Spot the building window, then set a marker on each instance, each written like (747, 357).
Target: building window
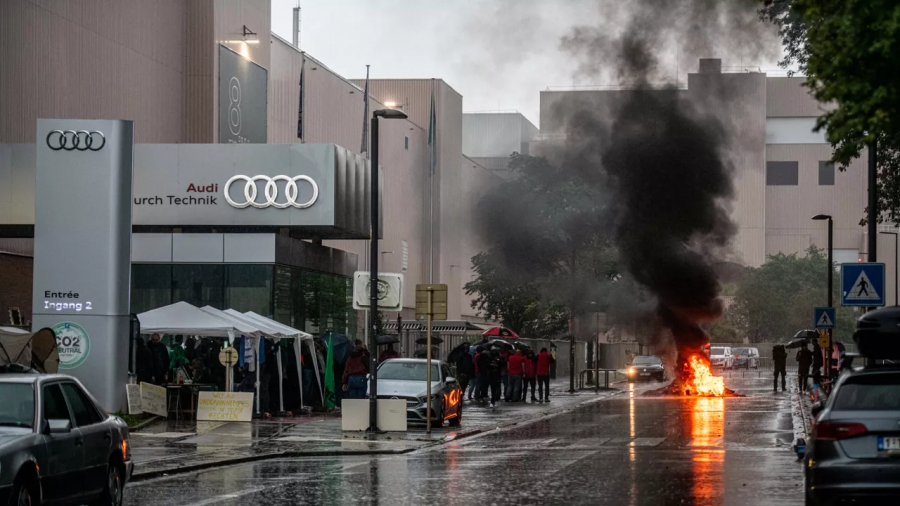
(406, 143)
(781, 173)
(826, 174)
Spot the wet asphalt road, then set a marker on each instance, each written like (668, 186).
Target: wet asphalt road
(629, 449)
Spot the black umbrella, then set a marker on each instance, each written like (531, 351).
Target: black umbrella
(434, 340)
(802, 338)
(458, 352)
(797, 343)
(387, 339)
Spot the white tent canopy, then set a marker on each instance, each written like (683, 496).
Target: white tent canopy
(245, 328)
(298, 336)
(264, 328)
(184, 318)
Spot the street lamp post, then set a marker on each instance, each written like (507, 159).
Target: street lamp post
(373, 266)
(830, 275)
(896, 276)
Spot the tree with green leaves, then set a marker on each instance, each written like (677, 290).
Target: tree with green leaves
(777, 299)
(848, 50)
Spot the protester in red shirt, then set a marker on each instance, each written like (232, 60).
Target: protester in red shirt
(530, 376)
(355, 371)
(388, 353)
(516, 368)
(543, 375)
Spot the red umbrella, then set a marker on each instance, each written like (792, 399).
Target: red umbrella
(503, 332)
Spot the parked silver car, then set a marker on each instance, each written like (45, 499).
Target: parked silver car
(405, 378)
(57, 446)
(746, 358)
(853, 453)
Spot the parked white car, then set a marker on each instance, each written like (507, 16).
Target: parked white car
(721, 356)
(747, 358)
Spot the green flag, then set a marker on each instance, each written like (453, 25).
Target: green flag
(329, 376)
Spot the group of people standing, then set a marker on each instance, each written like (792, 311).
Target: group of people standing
(494, 369)
(818, 359)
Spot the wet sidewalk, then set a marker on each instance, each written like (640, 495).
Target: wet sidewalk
(171, 447)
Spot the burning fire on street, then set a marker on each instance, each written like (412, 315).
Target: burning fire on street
(695, 378)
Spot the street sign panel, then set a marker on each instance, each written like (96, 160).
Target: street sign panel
(824, 317)
(862, 284)
(438, 309)
(390, 291)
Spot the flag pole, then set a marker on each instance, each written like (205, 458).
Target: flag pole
(432, 138)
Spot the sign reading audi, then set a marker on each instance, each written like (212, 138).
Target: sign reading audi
(260, 185)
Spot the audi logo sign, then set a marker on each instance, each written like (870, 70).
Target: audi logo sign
(71, 140)
(271, 192)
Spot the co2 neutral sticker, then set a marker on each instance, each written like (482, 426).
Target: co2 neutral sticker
(74, 344)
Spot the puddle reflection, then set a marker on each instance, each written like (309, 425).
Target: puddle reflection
(707, 432)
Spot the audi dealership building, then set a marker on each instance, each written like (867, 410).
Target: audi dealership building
(251, 183)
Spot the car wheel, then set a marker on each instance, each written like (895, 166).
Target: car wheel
(25, 493)
(114, 489)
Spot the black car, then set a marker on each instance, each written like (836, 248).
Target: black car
(646, 367)
(853, 453)
(57, 446)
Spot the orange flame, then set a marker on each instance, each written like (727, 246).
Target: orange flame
(701, 380)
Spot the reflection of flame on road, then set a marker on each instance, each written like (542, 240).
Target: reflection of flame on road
(708, 431)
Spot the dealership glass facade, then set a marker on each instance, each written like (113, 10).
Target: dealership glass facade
(311, 301)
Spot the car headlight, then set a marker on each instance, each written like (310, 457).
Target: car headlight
(631, 370)
(433, 397)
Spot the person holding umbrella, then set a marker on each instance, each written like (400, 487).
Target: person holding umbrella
(465, 371)
(804, 360)
(388, 353)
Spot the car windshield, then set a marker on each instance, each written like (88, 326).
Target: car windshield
(717, 351)
(17, 408)
(742, 351)
(645, 361)
(407, 371)
(870, 392)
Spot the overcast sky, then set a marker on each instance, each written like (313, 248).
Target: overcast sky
(499, 54)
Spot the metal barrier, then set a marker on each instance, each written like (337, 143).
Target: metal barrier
(582, 377)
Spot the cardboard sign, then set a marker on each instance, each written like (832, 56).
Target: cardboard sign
(135, 406)
(225, 406)
(153, 399)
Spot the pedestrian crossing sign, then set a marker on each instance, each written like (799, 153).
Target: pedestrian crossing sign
(862, 284)
(824, 317)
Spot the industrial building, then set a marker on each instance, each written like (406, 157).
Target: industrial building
(783, 176)
(170, 66)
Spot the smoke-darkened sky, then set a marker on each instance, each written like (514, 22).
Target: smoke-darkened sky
(499, 54)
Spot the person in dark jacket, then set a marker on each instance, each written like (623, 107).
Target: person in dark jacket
(482, 367)
(804, 360)
(160, 360)
(779, 356)
(465, 370)
(495, 375)
(144, 362)
(817, 363)
(355, 371)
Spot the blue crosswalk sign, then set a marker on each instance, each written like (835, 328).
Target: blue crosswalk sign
(824, 317)
(862, 284)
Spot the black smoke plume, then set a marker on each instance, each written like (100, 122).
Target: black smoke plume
(664, 151)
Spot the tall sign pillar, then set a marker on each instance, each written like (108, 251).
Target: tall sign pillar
(82, 248)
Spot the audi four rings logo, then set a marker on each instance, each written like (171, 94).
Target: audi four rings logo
(271, 192)
(70, 140)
